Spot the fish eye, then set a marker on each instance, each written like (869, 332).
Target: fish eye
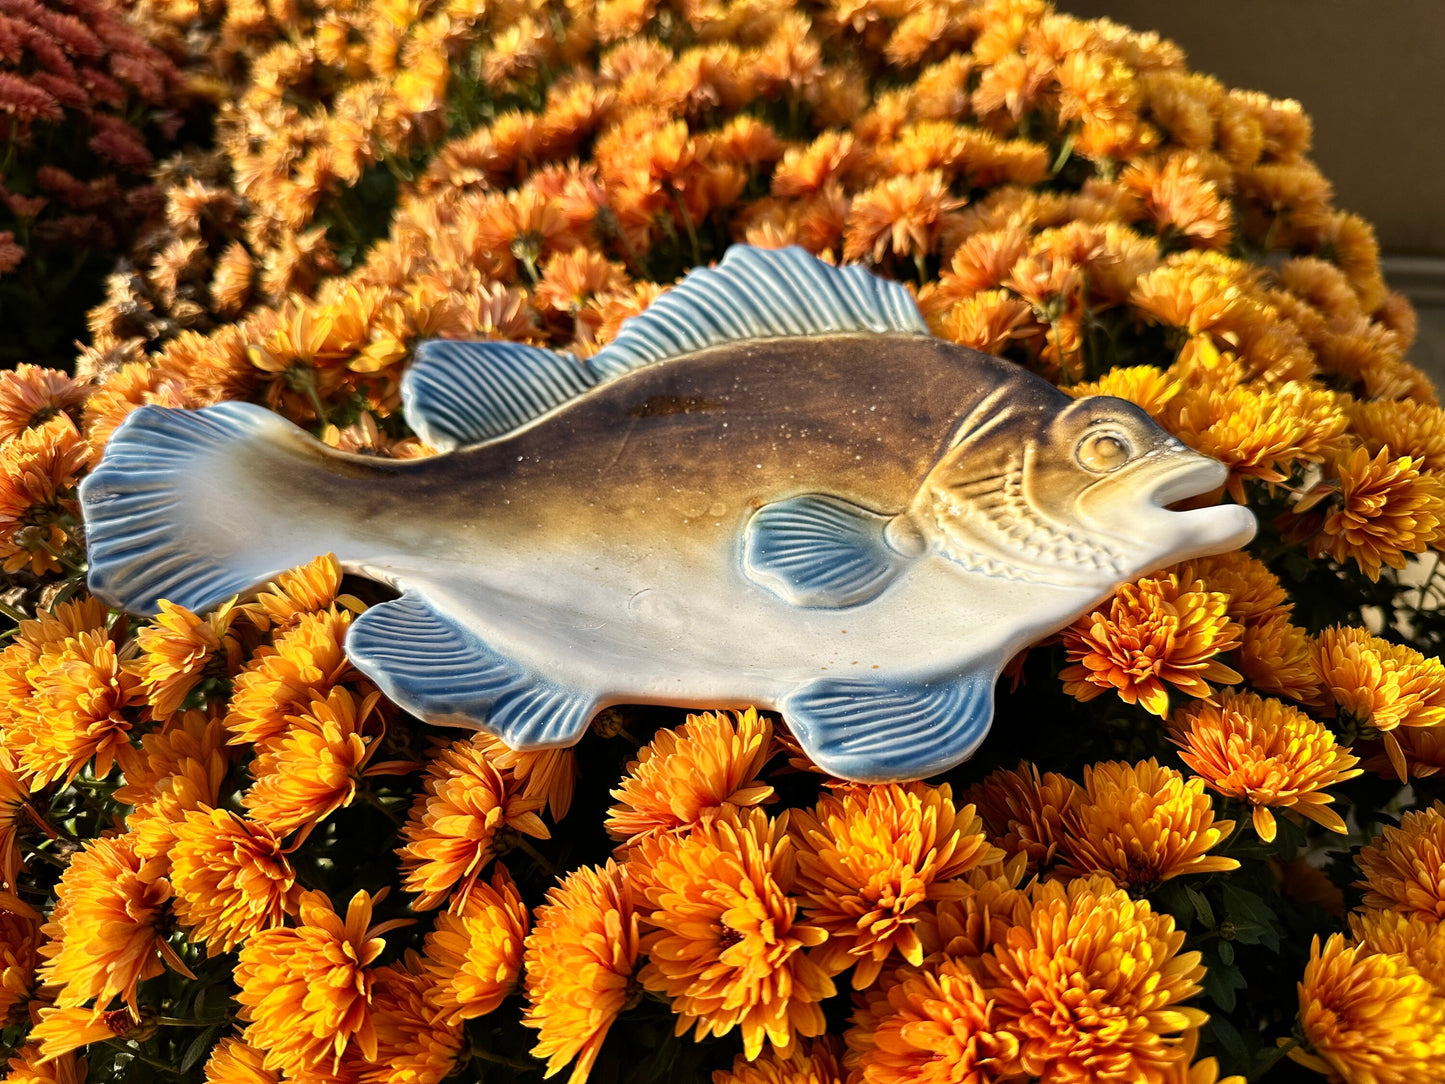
(1104, 451)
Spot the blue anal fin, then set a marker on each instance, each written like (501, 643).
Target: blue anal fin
(443, 673)
(819, 551)
(870, 732)
(457, 393)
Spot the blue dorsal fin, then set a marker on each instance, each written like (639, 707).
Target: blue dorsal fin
(759, 293)
(458, 393)
(443, 673)
(816, 550)
(874, 732)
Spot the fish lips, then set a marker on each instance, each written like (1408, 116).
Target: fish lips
(1164, 478)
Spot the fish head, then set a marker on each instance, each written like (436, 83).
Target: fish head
(1078, 496)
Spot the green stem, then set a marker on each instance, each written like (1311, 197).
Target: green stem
(179, 1022)
(500, 1059)
(681, 205)
(15, 615)
(525, 846)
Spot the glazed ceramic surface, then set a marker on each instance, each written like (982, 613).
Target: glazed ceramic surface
(774, 488)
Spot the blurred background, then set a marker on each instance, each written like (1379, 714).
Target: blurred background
(1373, 79)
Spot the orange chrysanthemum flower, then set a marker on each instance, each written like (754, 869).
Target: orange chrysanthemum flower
(415, 1042)
(726, 947)
(1386, 508)
(1380, 685)
(868, 860)
(14, 798)
(702, 769)
(580, 961)
(813, 1062)
(61, 1031)
(1146, 386)
(315, 768)
(1254, 592)
(177, 768)
(1275, 657)
(105, 934)
(1092, 984)
(19, 957)
(910, 1029)
(460, 823)
(38, 470)
(474, 955)
(1405, 867)
(308, 589)
(1420, 940)
(1404, 427)
(31, 396)
(1024, 812)
(231, 878)
(77, 711)
(178, 650)
(306, 991)
(1155, 633)
(902, 215)
(304, 664)
(1143, 824)
(1369, 1018)
(235, 1062)
(30, 1066)
(549, 774)
(1267, 754)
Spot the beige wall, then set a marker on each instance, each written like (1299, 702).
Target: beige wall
(1372, 75)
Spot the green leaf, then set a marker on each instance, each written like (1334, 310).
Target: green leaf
(1201, 906)
(199, 1047)
(1220, 982)
(1226, 953)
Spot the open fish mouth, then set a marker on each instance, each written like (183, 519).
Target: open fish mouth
(1194, 477)
(1197, 531)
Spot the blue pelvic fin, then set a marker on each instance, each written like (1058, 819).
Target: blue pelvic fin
(459, 393)
(758, 293)
(443, 673)
(871, 732)
(816, 550)
(179, 509)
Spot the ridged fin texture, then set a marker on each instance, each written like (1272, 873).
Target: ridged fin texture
(819, 551)
(878, 733)
(443, 673)
(459, 393)
(759, 293)
(148, 531)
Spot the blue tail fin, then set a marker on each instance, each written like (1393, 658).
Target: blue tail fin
(184, 506)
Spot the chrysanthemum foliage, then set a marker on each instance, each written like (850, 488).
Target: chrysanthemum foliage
(1200, 839)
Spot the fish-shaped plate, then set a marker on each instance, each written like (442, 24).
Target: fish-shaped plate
(774, 488)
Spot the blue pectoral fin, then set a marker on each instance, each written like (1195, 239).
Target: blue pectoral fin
(443, 673)
(458, 393)
(870, 732)
(820, 551)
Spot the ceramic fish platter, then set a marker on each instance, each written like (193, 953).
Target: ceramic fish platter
(774, 488)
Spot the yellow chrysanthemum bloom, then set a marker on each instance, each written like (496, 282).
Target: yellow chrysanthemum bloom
(549, 774)
(1154, 633)
(61, 1031)
(1385, 509)
(1092, 984)
(1023, 812)
(234, 1062)
(28, 1067)
(1418, 939)
(474, 955)
(580, 963)
(303, 665)
(1143, 824)
(726, 947)
(1380, 685)
(868, 860)
(457, 823)
(1404, 867)
(705, 767)
(1255, 593)
(178, 650)
(230, 876)
(305, 989)
(1369, 1018)
(1146, 386)
(927, 1020)
(179, 767)
(970, 925)
(813, 1062)
(1266, 754)
(105, 934)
